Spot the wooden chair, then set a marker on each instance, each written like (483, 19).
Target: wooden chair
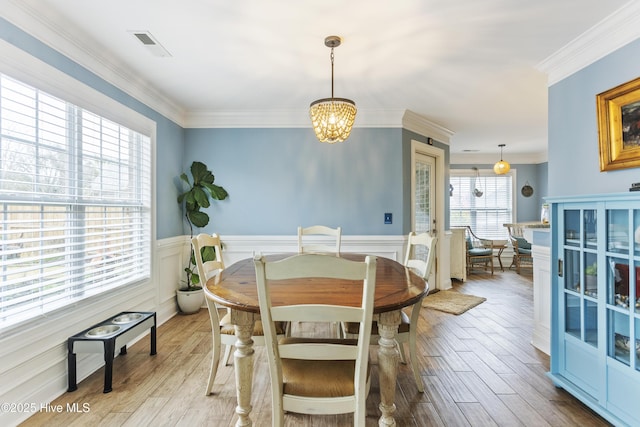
(317, 375)
(419, 257)
(306, 245)
(479, 251)
(311, 244)
(222, 330)
(522, 256)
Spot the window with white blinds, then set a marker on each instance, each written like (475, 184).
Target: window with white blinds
(485, 214)
(75, 191)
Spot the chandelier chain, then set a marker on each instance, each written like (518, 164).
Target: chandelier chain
(332, 72)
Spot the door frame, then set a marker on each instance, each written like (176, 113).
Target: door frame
(443, 281)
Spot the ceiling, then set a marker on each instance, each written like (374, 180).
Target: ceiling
(468, 66)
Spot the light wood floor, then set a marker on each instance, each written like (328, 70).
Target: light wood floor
(479, 369)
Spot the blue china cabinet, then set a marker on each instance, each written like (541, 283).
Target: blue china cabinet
(595, 324)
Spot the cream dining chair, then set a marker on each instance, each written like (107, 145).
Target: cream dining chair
(311, 244)
(419, 257)
(320, 239)
(222, 330)
(317, 375)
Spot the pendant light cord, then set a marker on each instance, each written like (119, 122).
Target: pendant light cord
(331, 73)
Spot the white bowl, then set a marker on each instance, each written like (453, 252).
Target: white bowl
(103, 331)
(126, 318)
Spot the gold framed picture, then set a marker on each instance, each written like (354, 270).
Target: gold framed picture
(619, 126)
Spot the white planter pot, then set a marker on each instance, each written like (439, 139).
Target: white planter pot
(190, 301)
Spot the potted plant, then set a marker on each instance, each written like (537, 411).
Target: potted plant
(201, 189)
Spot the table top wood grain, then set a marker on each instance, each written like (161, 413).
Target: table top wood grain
(396, 287)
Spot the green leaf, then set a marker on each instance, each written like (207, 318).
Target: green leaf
(185, 178)
(201, 197)
(208, 254)
(195, 279)
(198, 171)
(217, 192)
(190, 202)
(199, 219)
(208, 178)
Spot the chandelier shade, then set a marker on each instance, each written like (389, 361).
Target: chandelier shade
(501, 167)
(332, 118)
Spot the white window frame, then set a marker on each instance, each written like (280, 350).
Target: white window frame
(502, 232)
(30, 70)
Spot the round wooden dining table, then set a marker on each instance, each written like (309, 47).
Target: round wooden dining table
(396, 287)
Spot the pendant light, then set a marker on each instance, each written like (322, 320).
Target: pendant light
(477, 188)
(501, 167)
(332, 118)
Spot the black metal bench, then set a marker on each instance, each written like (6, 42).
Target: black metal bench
(105, 337)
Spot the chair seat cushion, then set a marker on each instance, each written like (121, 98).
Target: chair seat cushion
(319, 378)
(524, 251)
(354, 327)
(227, 328)
(523, 243)
(481, 252)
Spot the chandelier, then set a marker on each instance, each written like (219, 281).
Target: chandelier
(332, 118)
(501, 167)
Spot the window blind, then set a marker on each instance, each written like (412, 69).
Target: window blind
(75, 190)
(486, 214)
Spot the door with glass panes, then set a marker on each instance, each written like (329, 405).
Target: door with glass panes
(423, 206)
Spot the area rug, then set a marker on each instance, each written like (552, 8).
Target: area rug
(451, 302)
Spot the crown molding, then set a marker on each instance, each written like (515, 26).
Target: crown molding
(421, 125)
(610, 34)
(49, 29)
(490, 159)
(284, 119)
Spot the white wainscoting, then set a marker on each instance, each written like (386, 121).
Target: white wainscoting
(241, 247)
(541, 298)
(33, 356)
(171, 257)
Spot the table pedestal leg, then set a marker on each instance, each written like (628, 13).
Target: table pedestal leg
(388, 356)
(243, 364)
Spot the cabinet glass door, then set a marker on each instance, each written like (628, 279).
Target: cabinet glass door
(580, 274)
(622, 271)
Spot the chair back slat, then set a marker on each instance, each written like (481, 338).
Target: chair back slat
(207, 269)
(415, 257)
(319, 239)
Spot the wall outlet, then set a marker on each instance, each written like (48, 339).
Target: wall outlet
(388, 218)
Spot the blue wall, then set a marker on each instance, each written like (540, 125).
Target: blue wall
(169, 147)
(278, 179)
(574, 165)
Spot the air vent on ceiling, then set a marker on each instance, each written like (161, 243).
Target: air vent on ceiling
(150, 43)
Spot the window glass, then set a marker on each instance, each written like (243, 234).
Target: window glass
(75, 191)
(485, 214)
